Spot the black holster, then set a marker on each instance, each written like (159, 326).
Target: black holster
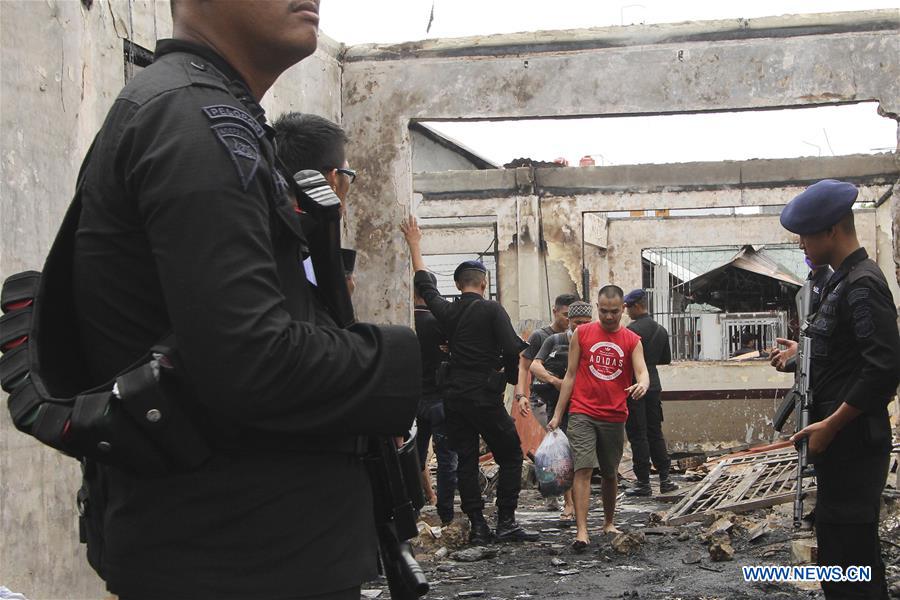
(496, 382)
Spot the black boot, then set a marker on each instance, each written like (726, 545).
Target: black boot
(480, 533)
(666, 485)
(641, 488)
(510, 531)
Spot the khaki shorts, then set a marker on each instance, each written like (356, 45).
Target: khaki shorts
(596, 443)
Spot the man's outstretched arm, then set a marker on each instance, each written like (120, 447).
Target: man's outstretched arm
(437, 304)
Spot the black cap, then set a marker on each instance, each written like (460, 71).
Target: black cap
(469, 265)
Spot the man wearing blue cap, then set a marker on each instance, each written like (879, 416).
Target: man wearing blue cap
(484, 358)
(855, 369)
(645, 416)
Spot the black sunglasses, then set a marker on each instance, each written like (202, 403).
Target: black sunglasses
(348, 172)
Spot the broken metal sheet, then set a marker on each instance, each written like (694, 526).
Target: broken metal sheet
(740, 484)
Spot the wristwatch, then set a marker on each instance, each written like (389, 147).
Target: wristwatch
(520, 396)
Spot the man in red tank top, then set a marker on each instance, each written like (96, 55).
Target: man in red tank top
(604, 358)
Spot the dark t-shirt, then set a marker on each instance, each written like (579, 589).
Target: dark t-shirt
(655, 341)
(535, 341)
(554, 355)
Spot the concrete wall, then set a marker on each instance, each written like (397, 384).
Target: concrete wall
(61, 67)
(723, 65)
(571, 203)
(742, 419)
(629, 236)
(428, 155)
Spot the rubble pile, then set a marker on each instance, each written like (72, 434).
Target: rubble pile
(650, 558)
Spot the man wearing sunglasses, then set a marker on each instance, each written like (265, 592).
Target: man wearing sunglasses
(306, 141)
(309, 142)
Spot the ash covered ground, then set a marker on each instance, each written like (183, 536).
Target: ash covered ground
(657, 561)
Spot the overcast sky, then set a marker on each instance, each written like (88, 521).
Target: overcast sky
(724, 136)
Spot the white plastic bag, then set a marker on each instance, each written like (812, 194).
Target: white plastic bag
(554, 464)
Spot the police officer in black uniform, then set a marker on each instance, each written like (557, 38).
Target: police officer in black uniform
(484, 358)
(189, 226)
(431, 418)
(855, 368)
(645, 416)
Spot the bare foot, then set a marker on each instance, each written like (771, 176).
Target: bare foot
(609, 528)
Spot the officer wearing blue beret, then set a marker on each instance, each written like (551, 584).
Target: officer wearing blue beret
(484, 358)
(645, 416)
(854, 372)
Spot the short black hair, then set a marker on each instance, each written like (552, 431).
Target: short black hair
(306, 141)
(564, 300)
(848, 223)
(748, 336)
(470, 278)
(611, 291)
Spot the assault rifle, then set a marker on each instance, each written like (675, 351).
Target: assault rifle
(804, 404)
(799, 400)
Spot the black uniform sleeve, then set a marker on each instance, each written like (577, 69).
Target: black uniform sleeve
(207, 216)
(874, 322)
(511, 344)
(437, 304)
(665, 357)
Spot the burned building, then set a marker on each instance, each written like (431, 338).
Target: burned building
(551, 229)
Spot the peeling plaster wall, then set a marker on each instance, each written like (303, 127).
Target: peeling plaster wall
(761, 63)
(742, 419)
(61, 67)
(642, 188)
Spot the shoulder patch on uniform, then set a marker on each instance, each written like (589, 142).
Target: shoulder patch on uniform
(858, 295)
(243, 148)
(218, 112)
(863, 323)
(863, 326)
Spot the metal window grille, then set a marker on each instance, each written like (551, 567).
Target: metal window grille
(703, 331)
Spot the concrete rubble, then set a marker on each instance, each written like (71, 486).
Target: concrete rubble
(474, 554)
(648, 558)
(628, 543)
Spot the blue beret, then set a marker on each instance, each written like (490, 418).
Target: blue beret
(634, 296)
(469, 265)
(820, 206)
